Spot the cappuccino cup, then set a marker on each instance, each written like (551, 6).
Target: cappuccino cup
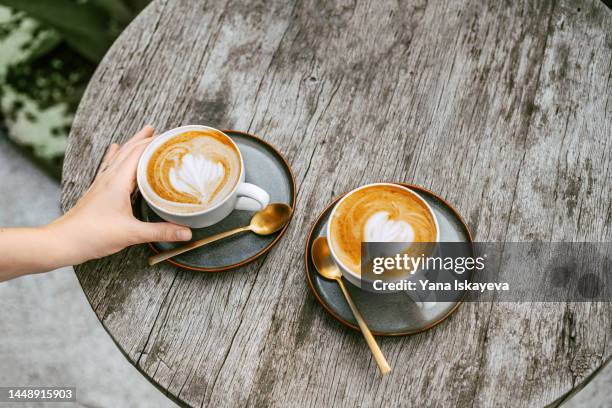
(380, 213)
(194, 176)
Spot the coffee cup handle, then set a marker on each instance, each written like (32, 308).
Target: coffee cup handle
(251, 197)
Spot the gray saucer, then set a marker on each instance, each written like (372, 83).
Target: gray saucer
(264, 167)
(391, 314)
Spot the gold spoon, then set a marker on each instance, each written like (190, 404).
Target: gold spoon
(264, 222)
(321, 256)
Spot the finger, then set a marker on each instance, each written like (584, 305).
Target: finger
(162, 232)
(126, 169)
(108, 157)
(110, 153)
(143, 134)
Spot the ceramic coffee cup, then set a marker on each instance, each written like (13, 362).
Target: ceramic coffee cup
(243, 196)
(385, 227)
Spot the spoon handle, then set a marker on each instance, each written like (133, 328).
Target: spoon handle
(383, 366)
(162, 256)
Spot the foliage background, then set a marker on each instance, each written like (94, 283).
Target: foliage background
(48, 51)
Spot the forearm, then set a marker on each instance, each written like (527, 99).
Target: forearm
(100, 224)
(31, 250)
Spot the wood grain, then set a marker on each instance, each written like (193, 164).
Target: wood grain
(500, 107)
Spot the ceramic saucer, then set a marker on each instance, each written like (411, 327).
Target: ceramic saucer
(392, 314)
(265, 167)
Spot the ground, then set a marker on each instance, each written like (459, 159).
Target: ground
(49, 334)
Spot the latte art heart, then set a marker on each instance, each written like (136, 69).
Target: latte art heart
(193, 171)
(197, 176)
(379, 213)
(379, 228)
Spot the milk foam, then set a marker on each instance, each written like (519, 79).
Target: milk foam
(379, 228)
(193, 171)
(197, 176)
(379, 213)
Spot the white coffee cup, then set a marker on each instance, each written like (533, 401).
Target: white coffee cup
(351, 276)
(244, 196)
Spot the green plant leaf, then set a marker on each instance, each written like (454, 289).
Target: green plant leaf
(44, 44)
(116, 9)
(84, 26)
(137, 5)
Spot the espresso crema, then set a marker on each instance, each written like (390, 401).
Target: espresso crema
(378, 213)
(193, 171)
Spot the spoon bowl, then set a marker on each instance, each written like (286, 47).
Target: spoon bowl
(322, 258)
(270, 219)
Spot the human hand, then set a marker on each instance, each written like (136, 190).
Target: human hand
(101, 223)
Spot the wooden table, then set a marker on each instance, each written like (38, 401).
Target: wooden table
(500, 107)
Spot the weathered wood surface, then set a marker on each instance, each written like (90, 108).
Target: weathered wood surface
(501, 107)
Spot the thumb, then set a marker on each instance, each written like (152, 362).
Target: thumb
(163, 232)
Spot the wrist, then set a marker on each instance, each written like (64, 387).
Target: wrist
(61, 243)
